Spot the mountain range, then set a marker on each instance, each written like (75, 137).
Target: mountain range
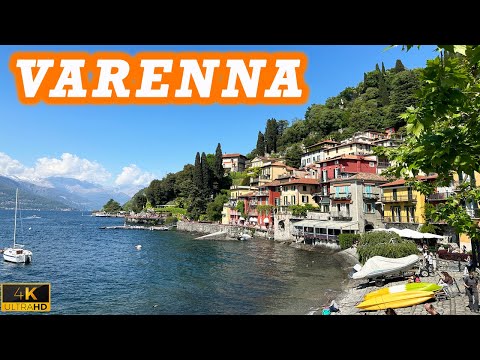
(57, 193)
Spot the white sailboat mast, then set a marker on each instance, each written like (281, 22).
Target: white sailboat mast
(15, 222)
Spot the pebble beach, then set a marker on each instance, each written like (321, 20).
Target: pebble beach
(355, 290)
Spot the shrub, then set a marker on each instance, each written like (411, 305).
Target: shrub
(378, 237)
(428, 228)
(170, 220)
(347, 240)
(386, 244)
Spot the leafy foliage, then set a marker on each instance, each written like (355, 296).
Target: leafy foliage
(301, 210)
(214, 209)
(112, 206)
(443, 138)
(265, 209)
(384, 243)
(346, 240)
(241, 208)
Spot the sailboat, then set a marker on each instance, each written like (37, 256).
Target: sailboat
(17, 253)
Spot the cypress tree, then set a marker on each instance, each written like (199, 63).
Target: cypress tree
(205, 175)
(260, 149)
(271, 134)
(383, 95)
(219, 171)
(197, 172)
(399, 66)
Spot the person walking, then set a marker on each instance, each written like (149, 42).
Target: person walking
(471, 287)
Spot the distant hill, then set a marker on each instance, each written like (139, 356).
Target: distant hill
(57, 193)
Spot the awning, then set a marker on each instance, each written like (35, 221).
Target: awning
(241, 218)
(253, 219)
(412, 234)
(340, 225)
(266, 220)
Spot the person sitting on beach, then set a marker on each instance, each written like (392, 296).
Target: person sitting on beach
(429, 308)
(445, 279)
(390, 311)
(333, 307)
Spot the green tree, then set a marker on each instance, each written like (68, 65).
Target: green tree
(399, 66)
(112, 206)
(403, 94)
(293, 156)
(206, 177)
(260, 149)
(198, 174)
(271, 136)
(442, 136)
(241, 208)
(217, 171)
(214, 209)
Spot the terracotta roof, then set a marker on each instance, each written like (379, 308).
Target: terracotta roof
(402, 181)
(347, 156)
(275, 163)
(293, 181)
(232, 155)
(247, 194)
(363, 176)
(323, 142)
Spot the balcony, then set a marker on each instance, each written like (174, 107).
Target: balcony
(399, 198)
(261, 193)
(341, 196)
(371, 196)
(340, 216)
(439, 196)
(401, 219)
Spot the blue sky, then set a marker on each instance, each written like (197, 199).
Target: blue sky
(126, 146)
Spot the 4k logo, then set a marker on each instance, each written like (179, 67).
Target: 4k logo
(26, 297)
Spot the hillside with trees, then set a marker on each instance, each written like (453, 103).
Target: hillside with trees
(199, 190)
(374, 104)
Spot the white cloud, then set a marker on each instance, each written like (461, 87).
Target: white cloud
(72, 166)
(129, 181)
(132, 179)
(12, 167)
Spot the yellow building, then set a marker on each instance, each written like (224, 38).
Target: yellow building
(402, 204)
(295, 191)
(269, 172)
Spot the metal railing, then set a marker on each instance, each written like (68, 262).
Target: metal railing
(340, 196)
(399, 198)
(373, 196)
(401, 219)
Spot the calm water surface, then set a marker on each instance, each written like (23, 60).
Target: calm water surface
(99, 271)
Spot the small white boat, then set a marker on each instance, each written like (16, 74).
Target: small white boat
(244, 237)
(138, 247)
(16, 253)
(378, 266)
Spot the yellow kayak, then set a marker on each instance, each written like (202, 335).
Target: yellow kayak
(421, 286)
(396, 300)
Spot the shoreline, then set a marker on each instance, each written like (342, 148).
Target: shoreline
(355, 290)
(351, 292)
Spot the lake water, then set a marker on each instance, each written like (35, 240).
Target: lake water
(95, 271)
